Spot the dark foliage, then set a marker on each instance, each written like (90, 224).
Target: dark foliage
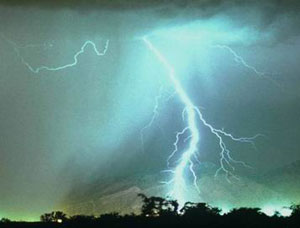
(157, 206)
(5, 220)
(82, 219)
(159, 212)
(55, 216)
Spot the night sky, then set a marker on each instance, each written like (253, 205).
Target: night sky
(67, 131)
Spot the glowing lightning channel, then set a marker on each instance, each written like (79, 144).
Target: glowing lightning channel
(178, 181)
(193, 113)
(75, 57)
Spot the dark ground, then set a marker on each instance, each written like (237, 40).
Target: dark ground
(158, 212)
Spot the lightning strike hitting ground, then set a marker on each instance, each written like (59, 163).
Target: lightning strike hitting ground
(194, 115)
(47, 68)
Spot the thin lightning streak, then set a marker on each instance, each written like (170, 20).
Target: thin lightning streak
(239, 59)
(193, 113)
(154, 115)
(37, 70)
(178, 134)
(194, 175)
(225, 153)
(197, 159)
(155, 112)
(75, 57)
(171, 95)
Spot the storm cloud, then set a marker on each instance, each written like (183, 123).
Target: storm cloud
(281, 17)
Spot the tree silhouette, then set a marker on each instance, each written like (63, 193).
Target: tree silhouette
(247, 217)
(200, 214)
(157, 206)
(295, 210)
(295, 216)
(192, 209)
(159, 212)
(5, 220)
(46, 217)
(54, 216)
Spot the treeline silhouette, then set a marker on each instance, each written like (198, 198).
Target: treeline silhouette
(159, 212)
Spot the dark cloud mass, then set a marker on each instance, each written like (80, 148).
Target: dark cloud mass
(270, 6)
(263, 15)
(270, 13)
(71, 138)
(283, 4)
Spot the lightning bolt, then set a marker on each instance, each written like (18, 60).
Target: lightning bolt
(47, 68)
(191, 114)
(194, 115)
